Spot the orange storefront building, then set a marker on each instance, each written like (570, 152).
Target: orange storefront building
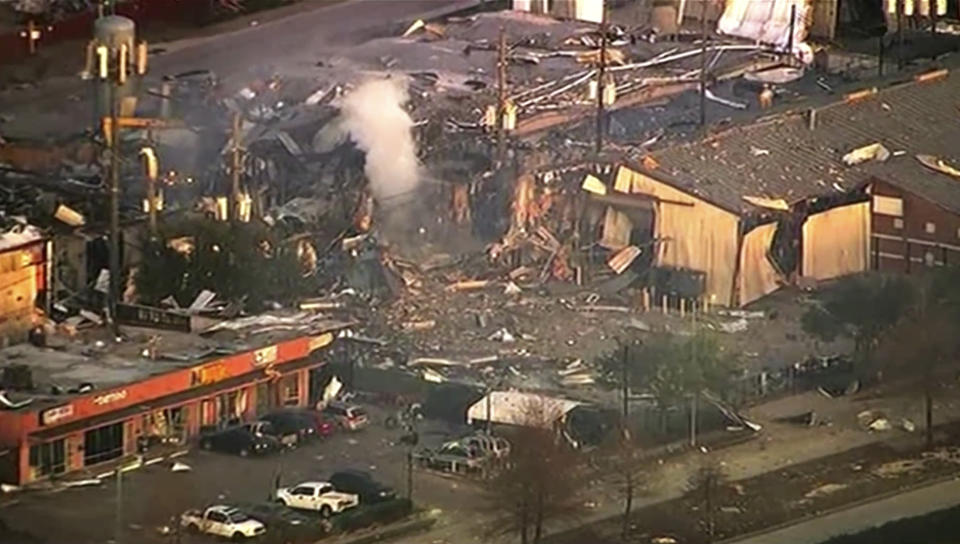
(59, 435)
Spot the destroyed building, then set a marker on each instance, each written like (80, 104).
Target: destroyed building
(798, 197)
(788, 200)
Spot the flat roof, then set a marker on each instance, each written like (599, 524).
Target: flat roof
(93, 357)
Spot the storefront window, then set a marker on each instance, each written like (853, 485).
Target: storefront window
(290, 391)
(165, 426)
(103, 444)
(49, 458)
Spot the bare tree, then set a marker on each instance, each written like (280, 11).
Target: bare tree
(630, 476)
(541, 480)
(704, 485)
(925, 341)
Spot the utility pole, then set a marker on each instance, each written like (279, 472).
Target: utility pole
(934, 15)
(696, 393)
(118, 530)
(625, 383)
(113, 59)
(234, 212)
(900, 59)
(114, 292)
(601, 76)
(882, 53)
(501, 97)
(793, 26)
(703, 64)
(410, 473)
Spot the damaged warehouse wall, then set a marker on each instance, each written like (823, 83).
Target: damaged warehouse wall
(757, 276)
(697, 235)
(837, 242)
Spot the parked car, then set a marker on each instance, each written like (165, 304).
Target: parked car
(487, 445)
(318, 496)
(286, 437)
(239, 440)
(321, 422)
(289, 523)
(363, 485)
(453, 457)
(220, 520)
(289, 422)
(347, 416)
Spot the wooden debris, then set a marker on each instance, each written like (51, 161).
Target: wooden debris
(467, 285)
(622, 259)
(419, 325)
(318, 304)
(602, 308)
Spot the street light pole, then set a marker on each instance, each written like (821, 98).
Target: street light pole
(601, 76)
(118, 530)
(501, 97)
(114, 209)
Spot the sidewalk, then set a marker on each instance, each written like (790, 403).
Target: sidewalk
(866, 516)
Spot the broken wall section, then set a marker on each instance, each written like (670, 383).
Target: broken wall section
(696, 235)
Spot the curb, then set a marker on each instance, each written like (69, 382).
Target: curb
(842, 508)
(401, 529)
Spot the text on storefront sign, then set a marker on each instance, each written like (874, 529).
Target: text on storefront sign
(53, 415)
(208, 374)
(111, 397)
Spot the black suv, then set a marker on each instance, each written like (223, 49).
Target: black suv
(361, 483)
(240, 441)
(290, 422)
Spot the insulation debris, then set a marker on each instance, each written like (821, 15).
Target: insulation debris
(873, 152)
(938, 165)
(769, 203)
(593, 185)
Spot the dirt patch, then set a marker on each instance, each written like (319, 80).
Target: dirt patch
(792, 493)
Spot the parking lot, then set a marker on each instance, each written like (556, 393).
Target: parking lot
(153, 495)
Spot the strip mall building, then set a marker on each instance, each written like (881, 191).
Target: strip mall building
(66, 433)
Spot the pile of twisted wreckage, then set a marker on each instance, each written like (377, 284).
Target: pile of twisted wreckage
(382, 167)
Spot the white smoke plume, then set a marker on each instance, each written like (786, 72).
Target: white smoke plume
(373, 114)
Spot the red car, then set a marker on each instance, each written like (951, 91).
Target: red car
(321, 424)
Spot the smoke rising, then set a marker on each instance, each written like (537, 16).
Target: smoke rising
(373, 114)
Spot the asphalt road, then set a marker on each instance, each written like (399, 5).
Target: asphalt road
(866, 516)
(292, 44)
(152, 495)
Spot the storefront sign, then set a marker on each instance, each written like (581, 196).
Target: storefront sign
(111, 397)
(321, 341)
(145, 316)
(265, 356)
(55, 414)
(208, 374)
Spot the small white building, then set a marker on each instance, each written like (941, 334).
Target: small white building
(520, 409)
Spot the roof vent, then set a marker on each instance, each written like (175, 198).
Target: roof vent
(812, 118)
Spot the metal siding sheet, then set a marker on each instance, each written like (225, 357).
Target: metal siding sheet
(757, 275)
(700, 237)
(837, 242)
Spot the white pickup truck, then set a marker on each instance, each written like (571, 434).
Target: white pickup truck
(224, 521)
(318, 496)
